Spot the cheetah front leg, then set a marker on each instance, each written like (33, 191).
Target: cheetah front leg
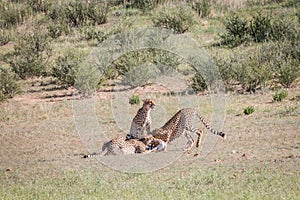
(148, 128)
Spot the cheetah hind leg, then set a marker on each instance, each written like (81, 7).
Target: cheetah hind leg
(200, 134)
(190, 142)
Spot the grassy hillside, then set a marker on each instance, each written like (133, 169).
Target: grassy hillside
(50, 39)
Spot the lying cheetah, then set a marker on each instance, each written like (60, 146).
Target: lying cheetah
(182, 123)
(121, 146)
(141, 121)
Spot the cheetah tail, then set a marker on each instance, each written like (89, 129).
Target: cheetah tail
(95, 154)
(90, 155)
(219, 133)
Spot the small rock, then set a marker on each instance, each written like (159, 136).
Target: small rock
(245, 156)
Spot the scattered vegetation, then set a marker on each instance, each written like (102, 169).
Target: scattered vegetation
(134, 99)
(249, 110)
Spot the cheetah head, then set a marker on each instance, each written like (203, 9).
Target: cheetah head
(149, 103)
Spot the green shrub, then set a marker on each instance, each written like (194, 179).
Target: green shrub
(140, 75)
(57, 13)
(198, 83)
(39, 5)
(179, 19)
(5, 37)
(249, 110)
(280, 96)
(202, 7)
(282, 30)
(91, 33)
(12, 14)
(227, 71)
(162, 60)
(134, 99)
(144, 5)
(253, 74)
(236, 31)
(287, 71)
(97, 12)
(248, 70)
(260, 27)
(58, 29)
(31, 54)
(66, 67)
(77, 13)
(292, 3)
(8, 86)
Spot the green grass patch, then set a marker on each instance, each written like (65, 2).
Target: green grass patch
(207, 183)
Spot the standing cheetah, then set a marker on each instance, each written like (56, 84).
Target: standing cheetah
(182, 123)
(141, 121)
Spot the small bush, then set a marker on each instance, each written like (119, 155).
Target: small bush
(179, 19)
(260, 27)
(202, 7)
(144, 5)
(248, 70)
(287, 71)
(58, 29)
(280, 96)
(97, 12)
(249, 110)
(141, 75)
(134, 99)
(8, 86)
(236, 32)
(91, 33)
(126, 62)
(77, 13)
(39, 5)
(66, 67)
(227, 71)
(12, 14)
(31, 54)
(282, 30)
(5, 37)
(198, 83)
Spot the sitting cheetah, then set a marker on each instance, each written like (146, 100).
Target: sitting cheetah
(182, 123)
(121, 146)
(141, 121)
